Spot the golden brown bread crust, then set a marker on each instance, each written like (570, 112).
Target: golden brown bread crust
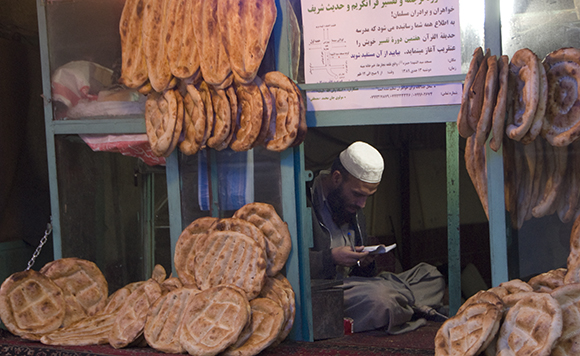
(250, 120)
(229, 257)
(267, 322)
(275, 230)
(531, 327)
(133, 64)
(184, 248)
(163, 118)
(84, 286)
(463, 126)
(489, 100)
(194, 121)
(164, 320)
(180, 39)
(214, 320)
(205, 93)
(524, 72)
(91, 330)
(500, 109)
(245, 28)
(213, 59)
(131, 317)
(284, 129)
(268, 109)
(476, 93)
(568, 296)
(243, 226)
(471, 330)
(222, 120)
(154, 17)
(31, 304)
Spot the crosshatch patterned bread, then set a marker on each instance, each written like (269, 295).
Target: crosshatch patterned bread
(267, 322)
(131, 318)
(243, 226)
(568, 296)
(531, 327)
(31, 304)
(164, 321)
(264, 216)
(84, 286)
(214, 320)
(229, 257)
(472, 329)
(184, 252)
(548, 281)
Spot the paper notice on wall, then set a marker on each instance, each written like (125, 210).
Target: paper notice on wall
(388, 97)
(348, 40)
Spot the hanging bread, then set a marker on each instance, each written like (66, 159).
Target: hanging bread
(133, 64)
(562, 124)
(463, 126)
(180, 39)
(284, 129)
(525, 75)
(213, 59)
(222, 120)
(154, 18)
(500, 110)
(489, 101)
(476, 93)
(194, 121)
(251, 114)
(245, 28)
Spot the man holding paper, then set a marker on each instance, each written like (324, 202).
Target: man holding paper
(373, 301)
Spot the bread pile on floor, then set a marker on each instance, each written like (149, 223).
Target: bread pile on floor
(197, 61)
(229, 295)
(540, 317)
(532, 107)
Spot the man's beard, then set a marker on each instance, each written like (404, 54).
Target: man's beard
(338, 207)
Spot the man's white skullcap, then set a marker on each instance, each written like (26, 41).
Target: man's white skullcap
(363, 161)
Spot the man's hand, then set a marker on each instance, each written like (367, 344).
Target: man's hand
(345, 256)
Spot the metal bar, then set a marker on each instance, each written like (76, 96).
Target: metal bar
(120, 125)
(453, 241)
(50, 139)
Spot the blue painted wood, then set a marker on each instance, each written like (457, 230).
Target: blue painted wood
(50, 139)
(495, 179)
(453, 240)
(118, 125)
(173, 200)
(413, 115)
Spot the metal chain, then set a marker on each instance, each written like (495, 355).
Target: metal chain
(42, 242)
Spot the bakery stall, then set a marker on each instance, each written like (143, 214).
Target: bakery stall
(126, 212)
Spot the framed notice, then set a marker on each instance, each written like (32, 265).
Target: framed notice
(347, 40)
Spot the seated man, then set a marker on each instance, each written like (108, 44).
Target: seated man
(386, 300)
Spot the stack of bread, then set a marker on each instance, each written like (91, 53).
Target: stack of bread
(197, 61)
(531, 106)
(229, 295)
(540, 317)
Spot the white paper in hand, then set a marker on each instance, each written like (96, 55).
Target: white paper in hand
(378, 249)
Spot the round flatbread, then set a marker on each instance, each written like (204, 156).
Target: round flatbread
(184, 255)
(31, 304)
(500, 110)
(164, 320)
(275, 230)
(229, 257)
(84, 286)
(531, 327)
(214, 319)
